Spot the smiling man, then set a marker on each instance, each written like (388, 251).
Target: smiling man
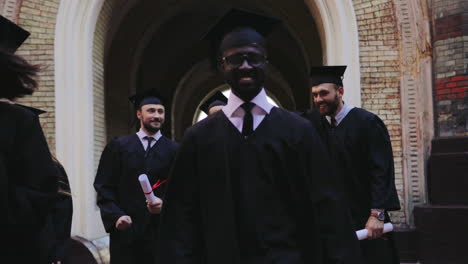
(362, 151)
(249, 181)
(133, 229)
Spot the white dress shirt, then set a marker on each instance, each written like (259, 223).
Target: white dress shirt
(141, 134)
(235, 113)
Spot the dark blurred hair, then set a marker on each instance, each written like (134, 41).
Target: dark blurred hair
(17, 76)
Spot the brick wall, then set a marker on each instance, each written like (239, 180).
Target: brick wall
(10, 9)
(450, 36)
(38, 17)
(380, 59)
(100, 33)
(380, 75)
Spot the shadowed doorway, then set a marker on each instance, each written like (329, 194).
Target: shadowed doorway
(157, 44)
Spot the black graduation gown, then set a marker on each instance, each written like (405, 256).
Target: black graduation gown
(362, 149)
(320, 122)
(119, 193)
(28, 181)
(56, 233)
(254, 200)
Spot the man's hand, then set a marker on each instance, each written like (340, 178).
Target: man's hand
(123, 223)
(154, 208)
(375, 227)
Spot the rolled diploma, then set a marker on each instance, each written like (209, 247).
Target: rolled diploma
(362, 234)
(146, 186)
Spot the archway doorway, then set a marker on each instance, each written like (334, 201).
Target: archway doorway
(119, 46)
(169, 55)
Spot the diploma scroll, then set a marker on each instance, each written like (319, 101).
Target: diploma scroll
(146, 186)
(362, 234)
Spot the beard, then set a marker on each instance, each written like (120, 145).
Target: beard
(246, 89)
(152, 128)
(330, 107)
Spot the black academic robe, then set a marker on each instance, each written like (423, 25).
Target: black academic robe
(362, 149)
(119, 193)
(253, 200)
(322, 126)
(56, 232)
(28, 181)
(320, 122)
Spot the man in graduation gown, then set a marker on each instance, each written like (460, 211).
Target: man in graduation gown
(132, 228)
(361, 148)
(249, 181)
(28, 177)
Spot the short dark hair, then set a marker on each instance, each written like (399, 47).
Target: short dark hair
(18, 77)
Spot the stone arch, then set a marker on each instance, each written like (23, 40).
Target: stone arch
(337, 25)
(77, 99)
(76, 23)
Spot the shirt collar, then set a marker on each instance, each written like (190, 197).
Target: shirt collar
(343, 112)
(235, 102)
(141, 134)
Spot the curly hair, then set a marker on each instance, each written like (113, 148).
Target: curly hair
(17, 76)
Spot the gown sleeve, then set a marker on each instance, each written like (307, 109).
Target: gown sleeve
(35, 181)
(180, 227)
(106, 185)
(381, 167)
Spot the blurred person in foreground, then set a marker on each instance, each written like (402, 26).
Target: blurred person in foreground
(28, 176)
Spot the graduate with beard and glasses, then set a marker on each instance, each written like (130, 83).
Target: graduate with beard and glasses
(361, 149)
(251, 183)
(131, 222)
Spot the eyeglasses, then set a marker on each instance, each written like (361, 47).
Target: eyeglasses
(252, 58)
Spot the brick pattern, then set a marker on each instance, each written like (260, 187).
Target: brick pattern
(448, 27)
(38, 17)
(416, 103)
(452, 87)
(450, 31)
(100, 33)
(10, 9)
(380, 76)
(380, 57)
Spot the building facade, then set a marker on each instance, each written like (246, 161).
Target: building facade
(407, 62)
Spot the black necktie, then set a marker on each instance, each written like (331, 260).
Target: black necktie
(333, 123)
(247, 126)
(149, 139)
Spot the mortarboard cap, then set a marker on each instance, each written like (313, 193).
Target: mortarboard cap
(11, 35)
(216, 99)
(238, 27)
(146, 97)
(327, 74)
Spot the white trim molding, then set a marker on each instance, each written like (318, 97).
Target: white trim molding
(337, 26)
(74, 32)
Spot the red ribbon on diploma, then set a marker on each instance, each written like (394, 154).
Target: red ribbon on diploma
(157, 184)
